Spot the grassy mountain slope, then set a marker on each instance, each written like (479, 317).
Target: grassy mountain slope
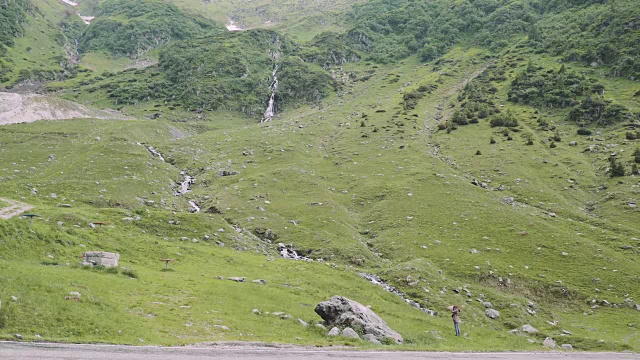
(38, 48)
(464, 162)
(132, 28)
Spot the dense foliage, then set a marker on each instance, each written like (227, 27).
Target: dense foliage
(226, 72)
(12, 16)
(596, 32)
(542, 87)
(591, 31)
(133, 27)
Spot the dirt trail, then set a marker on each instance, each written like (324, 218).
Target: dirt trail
(15, 208)
(19, 108)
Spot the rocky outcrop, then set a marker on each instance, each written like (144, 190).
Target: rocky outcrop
(99, 258)
(342, 312)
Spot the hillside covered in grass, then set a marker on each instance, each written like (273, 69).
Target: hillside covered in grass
(479, 153)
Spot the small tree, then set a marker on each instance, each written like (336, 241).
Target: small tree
(616, 168)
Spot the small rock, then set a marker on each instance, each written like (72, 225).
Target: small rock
(372, 339)
(567, 346)
(18, 336)
(350, 333)
(549, 342)
(303, 323)
(75, 294)
(256, 311)
(238, 279)
(222, 327)
(567, 332)
(334, 332)
(260, 281)
(492, 313)
(528, 329)
(14, 298)
(321, 326)
(487, 305)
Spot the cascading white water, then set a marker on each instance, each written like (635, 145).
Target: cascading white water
(271, 107)
(194, 207)
(185, 185)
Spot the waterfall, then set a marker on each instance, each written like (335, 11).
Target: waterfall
(185, 186)
(271, 107)
(194, 207)
(155, 152)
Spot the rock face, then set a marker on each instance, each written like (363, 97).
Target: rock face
(340, 311)
(99, 258)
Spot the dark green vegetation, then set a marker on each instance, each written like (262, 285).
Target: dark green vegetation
(231, 72)
(530, 204)
(133, 27)
(12, 17)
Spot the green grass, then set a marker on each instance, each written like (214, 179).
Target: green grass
(388, 198)
(355, 180)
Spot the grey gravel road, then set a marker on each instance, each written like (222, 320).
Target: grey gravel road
(41, 351)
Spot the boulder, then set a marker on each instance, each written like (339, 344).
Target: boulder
(528, 329)
(567, 346)
(549, 342)
(340, 311)
(372, 339)
(492, 313)
(100, 258)
(334, 332)
(350, 333)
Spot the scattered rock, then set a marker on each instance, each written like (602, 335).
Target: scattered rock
(487, 305)
(256, 311)
(303, 323)
(260, 281)
(567, 346)
(321, 326)
(222, 327)
(350, 333)
(18, 336)
(342, 311)
(509, 200)
(99, 258)
(528, 329)
(334, 332)
(549, 342)
(492, 313)
(238, 279)
(372, 339)
(567, 332)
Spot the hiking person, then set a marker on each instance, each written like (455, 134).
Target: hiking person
(455, 315)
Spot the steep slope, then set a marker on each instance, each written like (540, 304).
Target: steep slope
(38, 46)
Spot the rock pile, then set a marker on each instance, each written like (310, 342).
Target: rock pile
(342, 312)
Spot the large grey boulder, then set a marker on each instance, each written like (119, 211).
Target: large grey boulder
(100, 258)
(340, 311)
